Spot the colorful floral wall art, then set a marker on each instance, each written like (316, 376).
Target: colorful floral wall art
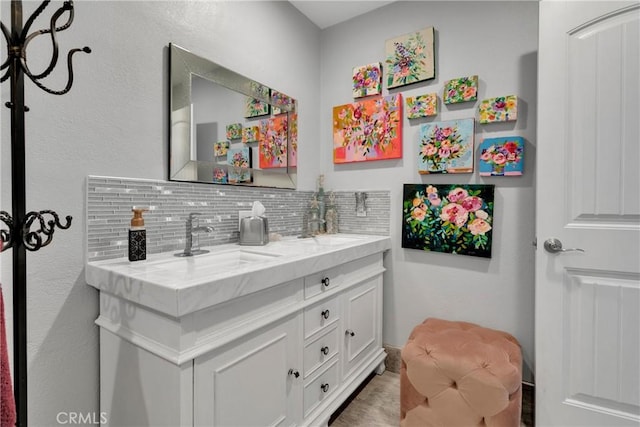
(250, 134)
(220, 148)
(422, 106)
(258, 106)
(462, 89)
(220, 176)
(367, 80)
(456, 219)
(446, 147)
(273, 147)
(410, 58)
(280, 102)
(368, 130)
(234, 131)
(500, 109)
(502, 156)
(239, 161)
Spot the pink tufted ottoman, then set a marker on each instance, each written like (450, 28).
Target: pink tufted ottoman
(460, 374)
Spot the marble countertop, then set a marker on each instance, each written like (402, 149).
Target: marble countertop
(181, 285)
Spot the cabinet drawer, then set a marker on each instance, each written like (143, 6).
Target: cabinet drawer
(317, 283)
(320, 350)
(320, 316)
(320, 387)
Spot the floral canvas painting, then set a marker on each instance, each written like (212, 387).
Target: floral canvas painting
(234, 131)
(502, 156)
(499, 109)
(367, 80)
(258, 106)
(462, 89)
(239, 161)
(272, 147)
(446, 147)
(250, 134)
(451, 218)
(410, 58)
(422, 106)
(368, 130)
(220, 176)
(220, 148)
(280, 102)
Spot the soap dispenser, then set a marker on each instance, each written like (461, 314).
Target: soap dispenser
(137, 236)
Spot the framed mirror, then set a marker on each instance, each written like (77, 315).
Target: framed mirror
(226, 128)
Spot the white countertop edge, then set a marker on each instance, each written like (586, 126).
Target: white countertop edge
(119, 278)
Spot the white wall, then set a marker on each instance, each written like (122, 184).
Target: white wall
(497, 41)
(114, 122)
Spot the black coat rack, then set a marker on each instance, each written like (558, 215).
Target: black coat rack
(33, 230)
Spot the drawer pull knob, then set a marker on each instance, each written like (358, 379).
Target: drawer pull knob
(325, 313)
(324, 350)
(294, 373)
(350, 333)
(324, 387)
(326, 281)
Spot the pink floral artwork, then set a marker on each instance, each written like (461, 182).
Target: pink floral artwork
(368, 130)
(499, 109)
(367, 80)
(462, 89)
(502, 156)
(422, 105)
(451, 218)
(446, 147)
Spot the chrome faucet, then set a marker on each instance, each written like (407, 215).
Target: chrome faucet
(191, 241)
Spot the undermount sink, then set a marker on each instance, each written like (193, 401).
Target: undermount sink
(327, 240)
(219, 261)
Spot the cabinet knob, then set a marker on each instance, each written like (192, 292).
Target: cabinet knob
(350, 333)
(294, 373)
(324, 387)
(324, 350)
(326, 281)
(325, 313)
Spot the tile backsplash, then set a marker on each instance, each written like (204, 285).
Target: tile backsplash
(109, 203)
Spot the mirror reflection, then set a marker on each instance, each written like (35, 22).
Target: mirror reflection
(228, 129)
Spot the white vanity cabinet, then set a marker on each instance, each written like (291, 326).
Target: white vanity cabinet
(285, 346)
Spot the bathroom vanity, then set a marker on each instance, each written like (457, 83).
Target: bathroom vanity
(267, 335)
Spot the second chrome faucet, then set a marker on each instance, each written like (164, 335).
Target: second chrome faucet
(191, 241)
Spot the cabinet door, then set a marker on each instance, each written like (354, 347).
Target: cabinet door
(362, 322)
(249, 383)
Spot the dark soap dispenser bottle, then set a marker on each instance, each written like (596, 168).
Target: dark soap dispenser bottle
(137, 236)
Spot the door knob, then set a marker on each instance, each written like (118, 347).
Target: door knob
(554, 246)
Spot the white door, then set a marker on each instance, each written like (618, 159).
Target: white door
(588, 197)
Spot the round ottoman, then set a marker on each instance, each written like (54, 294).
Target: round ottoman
(460, 374)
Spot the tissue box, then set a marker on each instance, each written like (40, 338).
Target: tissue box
(254, 231)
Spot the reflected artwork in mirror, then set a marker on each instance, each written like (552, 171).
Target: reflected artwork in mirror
(214, 110)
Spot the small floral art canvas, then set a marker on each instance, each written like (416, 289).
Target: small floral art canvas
(455, 219)
(368, 130)
(280, 102)
(239, 161)
(250, 134)
(258, 106)
(272, 147)
(410, 58)
(367, 80)
(462, 89)
(220, 176)
(422, 106)
(502, 156)
(446, 147)
(234, 131)
(499, 109)
(220, 148)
